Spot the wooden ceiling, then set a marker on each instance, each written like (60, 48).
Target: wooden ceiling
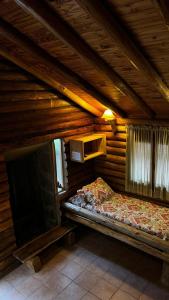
(98, 53)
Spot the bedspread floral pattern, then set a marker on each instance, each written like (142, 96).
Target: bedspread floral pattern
(149, 217)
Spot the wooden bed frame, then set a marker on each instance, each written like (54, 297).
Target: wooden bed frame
(139, 239)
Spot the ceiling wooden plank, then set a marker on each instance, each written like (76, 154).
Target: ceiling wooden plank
(38, 62)
(55, 24)
(163, 6)
(105, 16)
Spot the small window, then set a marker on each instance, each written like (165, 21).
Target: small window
(61, 166)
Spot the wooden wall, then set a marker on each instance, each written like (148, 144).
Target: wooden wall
(112, 166)
(31, 113)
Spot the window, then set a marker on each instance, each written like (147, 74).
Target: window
(148, 147)
(60, 166)
(161, 180)
(139, 160)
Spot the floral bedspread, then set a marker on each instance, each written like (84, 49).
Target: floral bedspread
(149, 217)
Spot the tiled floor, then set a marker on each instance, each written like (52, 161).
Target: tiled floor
(96, 267)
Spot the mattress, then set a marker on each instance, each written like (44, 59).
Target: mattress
(146, 216)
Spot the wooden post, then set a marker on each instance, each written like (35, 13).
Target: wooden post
(165, 274)
(70, 239)
(34, 264)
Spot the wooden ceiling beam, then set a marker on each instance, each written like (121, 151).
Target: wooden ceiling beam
(38, 62)
(99, 10)
(62, 30)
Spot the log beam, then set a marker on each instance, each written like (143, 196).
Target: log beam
(62, 30)
(105, 16)
(38, 62)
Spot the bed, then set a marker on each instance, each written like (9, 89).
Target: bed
(139, 223)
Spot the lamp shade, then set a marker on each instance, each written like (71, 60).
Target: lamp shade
(108, 115)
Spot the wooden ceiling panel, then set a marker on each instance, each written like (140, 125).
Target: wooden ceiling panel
(66, 55)
(33, 29)
(100, 41)
(144, 21)
(145, 24)
(7, 47)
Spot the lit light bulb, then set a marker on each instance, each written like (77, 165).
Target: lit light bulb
(110, 118)
(108, 115)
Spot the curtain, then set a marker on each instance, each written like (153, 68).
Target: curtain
(139, 160)
(161, 178)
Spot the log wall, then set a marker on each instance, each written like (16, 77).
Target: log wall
(31, 113)
(112, 166)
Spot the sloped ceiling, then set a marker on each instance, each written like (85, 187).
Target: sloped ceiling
(99, 53)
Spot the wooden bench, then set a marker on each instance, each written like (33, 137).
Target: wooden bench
(28, 254)
(139, 239)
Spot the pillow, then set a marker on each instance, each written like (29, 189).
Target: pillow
(82, 199)
(78, 199)
(88, 196)
(97, 191)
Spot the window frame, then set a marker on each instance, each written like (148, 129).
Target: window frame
(153, 163)
(63, 166)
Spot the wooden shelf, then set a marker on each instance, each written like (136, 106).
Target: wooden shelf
(88, 147)
(93, 155)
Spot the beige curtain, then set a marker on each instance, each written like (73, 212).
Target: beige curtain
(139, 160)
(161, 181)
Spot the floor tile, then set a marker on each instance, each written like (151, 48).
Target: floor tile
(42, 293)
(134, 285)
(103, 290)
(18, 276)
(72, 292)
(52, 267)
(69, 253)
(90, 296)
(94, 268)
(29, 286)
(72, 270)
(85, 258)
(12, 294)
(99, 266)
(153, 292)
(121, 295)
(57, 282)
(58, 262)
(87, 280)
(5, 288)
(116, 275)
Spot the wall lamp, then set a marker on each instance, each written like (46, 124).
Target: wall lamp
(109, 117)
